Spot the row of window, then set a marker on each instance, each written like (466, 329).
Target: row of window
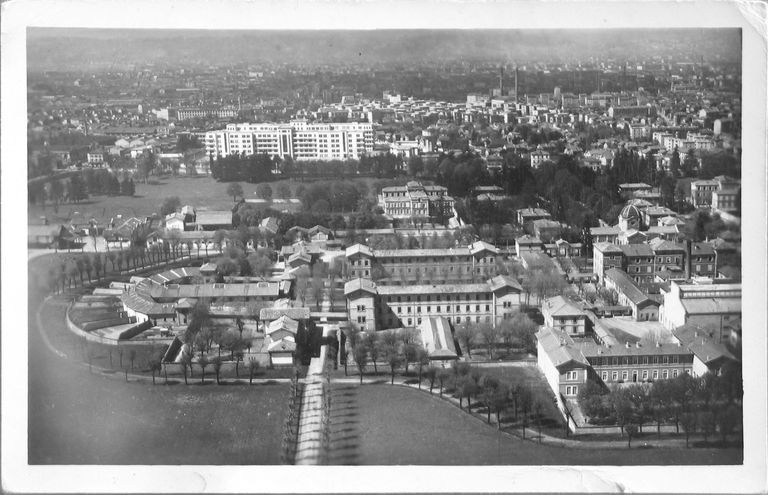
(643, 374)
(467, 297)
(627, 360)
(409, 321)
(447, 308)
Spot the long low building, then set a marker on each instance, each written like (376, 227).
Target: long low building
(170, 295)
(373, 307)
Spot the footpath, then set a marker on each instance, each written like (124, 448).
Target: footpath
(309, 449)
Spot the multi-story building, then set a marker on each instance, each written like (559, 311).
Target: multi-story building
(702, 260)
(299, 139)
(378, 307)
(725, 200)
(638, 263)
(606, 256)
(538, 157)
(705, 304)
(416, 200)
(562, 314)
(669, 256)
(475, 261)
(604, 234)
(643, 307)
(701, 192)
(531, 214)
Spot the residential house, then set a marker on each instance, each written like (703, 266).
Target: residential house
(563, 314)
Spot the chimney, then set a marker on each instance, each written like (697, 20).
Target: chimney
(687, 260)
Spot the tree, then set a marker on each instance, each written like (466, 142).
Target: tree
(422, 359)
(132, 357)
(538, 411)
(234, 189)
(203, 363)
(727, 419)
(393, 360)
(431, 375)
(708, 424)
(490, 336)
(371, 344)
(170, 205)
(253, 367)
(442, 376)
(468, 387)
(155, 366)
(631, 432)
(489, 385)
(466, 335)
(524, 330)
(688, 422)
(264, 191)
(216, 363)
(360, 354)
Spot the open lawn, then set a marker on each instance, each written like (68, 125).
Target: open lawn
(80, 418)
(386, 425)
(199, 192)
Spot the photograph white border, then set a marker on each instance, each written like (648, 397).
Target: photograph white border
(17, 15)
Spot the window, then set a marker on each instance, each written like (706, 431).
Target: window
(655, 374)
(665, 374)
(458, 319)
(438, 309)
(604, 376)
(665, 360)
(572, 375)
(615, 376)
(410, 322)
(571, 390)
(674, 373)
(645, 374)
(624, 375)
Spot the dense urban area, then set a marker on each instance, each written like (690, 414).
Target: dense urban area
(386, 250)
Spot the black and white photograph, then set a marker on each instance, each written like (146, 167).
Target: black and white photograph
(360, 247)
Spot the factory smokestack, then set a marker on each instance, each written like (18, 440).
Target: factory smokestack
(687, 260)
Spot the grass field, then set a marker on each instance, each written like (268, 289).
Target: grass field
(80, 418)
(383, 424)
(199, 192)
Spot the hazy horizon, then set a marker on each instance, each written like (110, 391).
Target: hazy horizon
(74, 48)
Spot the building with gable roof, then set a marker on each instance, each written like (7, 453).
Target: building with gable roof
(475, 260)
(562, 314)
(377, 307)
(437, 339)
(416, 200)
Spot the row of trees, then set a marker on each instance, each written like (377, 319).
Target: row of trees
(705, 403)
(399, 349)
(94, 266)
(251, 168)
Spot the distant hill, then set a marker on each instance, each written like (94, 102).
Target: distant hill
(67, 49)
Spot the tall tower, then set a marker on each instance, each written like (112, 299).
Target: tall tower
(624, 78)
(501, 81)
(516, 74)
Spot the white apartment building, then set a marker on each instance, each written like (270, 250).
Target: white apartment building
(299, 139)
